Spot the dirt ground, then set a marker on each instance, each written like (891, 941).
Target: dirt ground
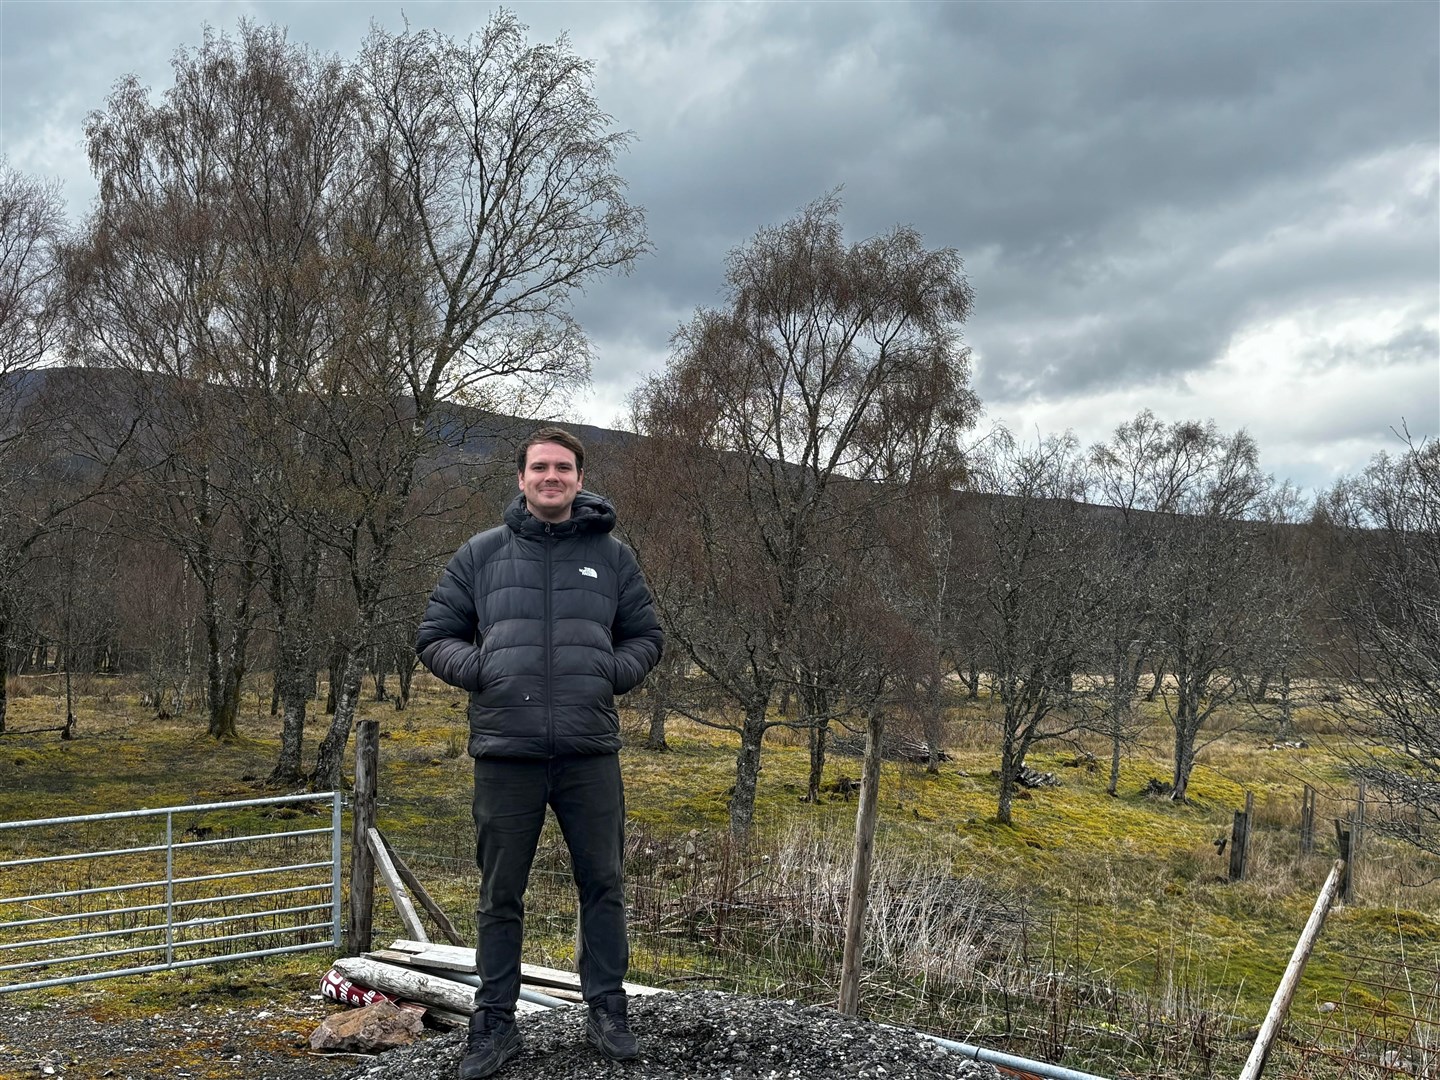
(84, 1042)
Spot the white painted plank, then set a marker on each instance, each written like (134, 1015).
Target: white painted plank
(398, 893)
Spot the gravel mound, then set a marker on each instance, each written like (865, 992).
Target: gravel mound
(702, 1035)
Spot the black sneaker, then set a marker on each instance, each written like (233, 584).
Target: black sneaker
(608, 1029)
(492, 1042)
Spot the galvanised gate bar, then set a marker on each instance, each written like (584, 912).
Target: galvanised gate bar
(76, 911)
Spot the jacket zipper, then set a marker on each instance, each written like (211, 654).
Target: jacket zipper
(549, 644)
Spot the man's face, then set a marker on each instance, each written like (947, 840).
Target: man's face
(550, 481)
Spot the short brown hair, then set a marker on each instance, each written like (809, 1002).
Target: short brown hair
(555, 435)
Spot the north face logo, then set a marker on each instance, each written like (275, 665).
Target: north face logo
(588, 572)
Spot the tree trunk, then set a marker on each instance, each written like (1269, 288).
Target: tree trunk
(972, 682)
(223, 719)
(405, 672)
(330, 760)
(1010, 762)
(292, 739)
(1184, 763)
(295, 678)
(294, 599)
(4, 670)
(68, 731)
(1186, 728)
(819, 732)
(1262, 688)
(815, 707)
(933, 723)
(1121, 695)
(275, 694)
(337, 666)
(655, 740)
(1157, 679)
(865, 818)
(1113, 787)
(747, 770)
(214, 664)
(1287, 721)
(225, 667)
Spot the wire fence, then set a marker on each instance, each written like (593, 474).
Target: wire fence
(1384, 1023)
(948, 955)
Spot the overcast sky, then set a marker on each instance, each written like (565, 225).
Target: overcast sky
(1224, 211)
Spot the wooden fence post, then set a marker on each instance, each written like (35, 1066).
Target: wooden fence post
(1347, 881)
(1240, 838)
(1357, 833)
(850, 973)
(362, 862)
(1307, 821)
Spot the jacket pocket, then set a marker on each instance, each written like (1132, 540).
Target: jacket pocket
(619, 681)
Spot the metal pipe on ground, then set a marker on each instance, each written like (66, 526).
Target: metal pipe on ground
(532, 996)
(537, 998)
(1010, 1062)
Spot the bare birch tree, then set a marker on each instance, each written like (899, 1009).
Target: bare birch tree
(1212, 582)
(1036, 596)
(58, 445)
(1385, 649)
(493, 198)
(1123, 476)
(828, 364)
(186, 281)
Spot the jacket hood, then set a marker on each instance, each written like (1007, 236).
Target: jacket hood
(590, 513)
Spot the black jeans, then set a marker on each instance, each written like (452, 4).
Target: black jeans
(509, 806)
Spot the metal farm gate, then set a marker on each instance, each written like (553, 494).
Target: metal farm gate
(101, 895)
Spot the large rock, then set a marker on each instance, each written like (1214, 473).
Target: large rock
(368, 1030)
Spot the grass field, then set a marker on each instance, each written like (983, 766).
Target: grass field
(1097, 931)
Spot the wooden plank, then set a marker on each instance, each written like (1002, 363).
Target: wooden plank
(396, 887)
(547, 976)
(1280, 1005)
(453, 958)
(568, 980)
(442, 921)
(446, 1018)
(393, 956)
(435, 955)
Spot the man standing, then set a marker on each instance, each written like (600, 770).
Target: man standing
(544, 619)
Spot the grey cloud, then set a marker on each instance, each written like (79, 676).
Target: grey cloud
(1130, 184)
(1053, 133)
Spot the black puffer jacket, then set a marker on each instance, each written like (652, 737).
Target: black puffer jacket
(544, 625)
